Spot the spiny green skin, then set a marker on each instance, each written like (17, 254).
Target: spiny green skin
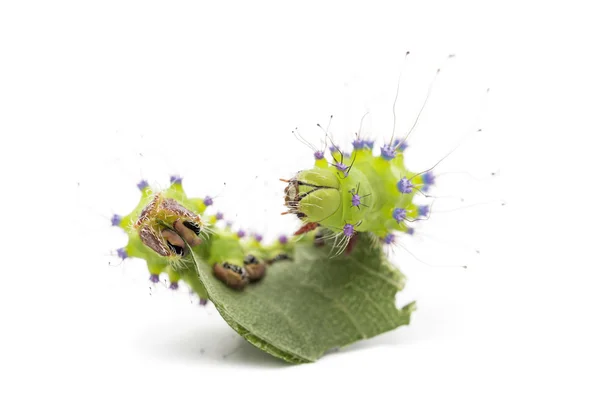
(331, 204)
(218, 246)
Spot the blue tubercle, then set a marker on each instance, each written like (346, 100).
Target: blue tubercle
(143, 184)
(388, 152)
(400, 145)
(428, 178)
(342, 167)
(404, 186)
(122, 253)
(175, 179)
(399, 214)
(358, 144)
(389, 238)
(154, 278)
(116, 220)
(348, 230)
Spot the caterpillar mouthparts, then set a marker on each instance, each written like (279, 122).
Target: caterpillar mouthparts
(166, 224)
(313, 197)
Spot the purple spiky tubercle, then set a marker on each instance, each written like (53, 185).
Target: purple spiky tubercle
(423, 210)
(219, 216)
(319, 155)
(143, 184)
(154, 278)
(388, 152)
(348, 230)
(203, 302)
(399, 214)
(241, 233)
(174, 285)
(358, 144)
(389, 238)
(428, 178)
(400, 145)
(258, 237)
(121, 253)
(208, 201)
(175, 179)
(404, 185)
(116, 220)
(355, 200)
(334, 149)
(341, 167)
(283, 239)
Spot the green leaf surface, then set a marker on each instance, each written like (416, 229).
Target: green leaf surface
(314, 303)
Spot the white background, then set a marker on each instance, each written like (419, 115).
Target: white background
(96, 96)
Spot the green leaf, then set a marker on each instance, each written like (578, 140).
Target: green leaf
(315, 303)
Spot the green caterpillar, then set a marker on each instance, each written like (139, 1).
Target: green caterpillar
(359, 192)
(164, 221)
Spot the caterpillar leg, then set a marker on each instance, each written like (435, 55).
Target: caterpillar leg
(255, 269)
(237, 277)
(233, 276)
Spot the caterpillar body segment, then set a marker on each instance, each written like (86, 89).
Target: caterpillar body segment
(360, 192)
(164, 224)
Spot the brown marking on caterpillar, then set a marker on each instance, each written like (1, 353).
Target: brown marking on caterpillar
(149, 209)
(171, 205)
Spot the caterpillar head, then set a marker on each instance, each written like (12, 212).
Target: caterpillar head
(165, 226)
(313, 195)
